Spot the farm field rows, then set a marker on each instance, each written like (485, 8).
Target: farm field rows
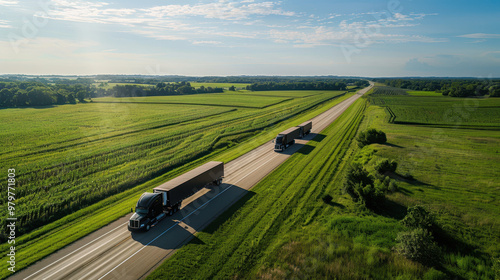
(283, 93)
(216, 99)
(84, 167)
(385, 90)
(442, 110)
(220, 85)
(107, 85)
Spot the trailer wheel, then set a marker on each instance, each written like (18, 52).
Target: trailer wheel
(148, 227)
(219, 182)
(170, 212)
(176, 208)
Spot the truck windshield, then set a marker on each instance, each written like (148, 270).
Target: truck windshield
(279, 139)
(141, 210)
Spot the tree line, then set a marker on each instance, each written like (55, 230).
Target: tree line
(160, 89)
(449, 87)
(297, 86)
(35, 93)
(45, 92)
(138, 79)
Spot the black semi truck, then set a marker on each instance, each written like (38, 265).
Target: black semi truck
(286, 138)
(167, 197)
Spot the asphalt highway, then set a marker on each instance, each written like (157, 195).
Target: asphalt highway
(115, 253)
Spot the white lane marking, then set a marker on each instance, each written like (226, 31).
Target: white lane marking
(183, 219)
(102, 264)
(76, 250)
(80, 257)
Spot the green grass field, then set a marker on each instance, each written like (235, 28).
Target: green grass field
(385, 90)
(107, 85)
(456, 170)
(220, 85)
(228, 99)
(442, 110)
(281, 93)
(73, 161)
(423, 93)
(285, 231)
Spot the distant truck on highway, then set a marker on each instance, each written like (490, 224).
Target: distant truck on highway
(167, 197)
(287, 138)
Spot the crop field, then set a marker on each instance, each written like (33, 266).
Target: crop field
(220, 85)
(111, 85)
(281, 93)
(214, 99)
(75, 160)
(442, 110)
(385, 90)
(423, 93)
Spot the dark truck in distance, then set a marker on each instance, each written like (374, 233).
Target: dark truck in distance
(305, 128)
(286, 138)
(167, 197)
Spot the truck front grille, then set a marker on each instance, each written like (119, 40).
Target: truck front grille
(134, 224)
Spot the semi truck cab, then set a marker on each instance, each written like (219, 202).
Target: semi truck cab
(278, 143)
(148, 211)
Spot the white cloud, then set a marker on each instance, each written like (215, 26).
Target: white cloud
(9, 2)
(480, 36)
(206, 43)
(224, 10)
(172, 22)
(358, 33)
(5, 24)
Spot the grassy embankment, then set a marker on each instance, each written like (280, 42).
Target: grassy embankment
(450, 146)
(286, 231)
(106, 155)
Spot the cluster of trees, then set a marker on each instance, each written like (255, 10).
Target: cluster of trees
(417, 242)
(160, 89)
(19, 94)
(298, 86)
(371, 136)
(31, 93)
(451, 87)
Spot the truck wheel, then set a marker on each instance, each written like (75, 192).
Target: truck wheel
(219, 182)
(176, 208)
(148, 227)
(170, 213)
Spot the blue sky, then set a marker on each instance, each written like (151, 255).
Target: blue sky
(251, 37)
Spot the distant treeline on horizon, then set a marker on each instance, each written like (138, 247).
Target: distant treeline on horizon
(57, 91)
(448, 86)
